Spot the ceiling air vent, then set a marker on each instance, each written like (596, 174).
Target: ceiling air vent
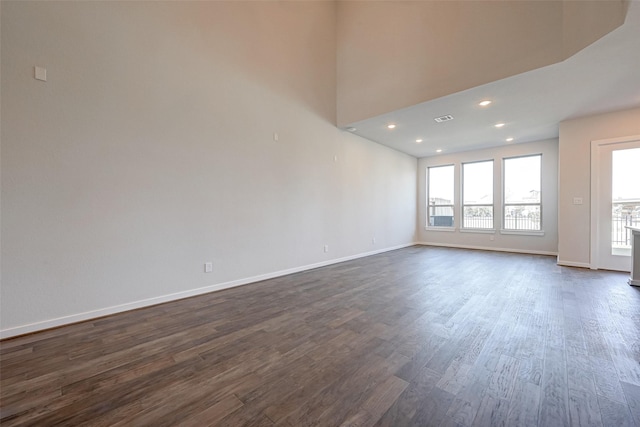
(444, 118)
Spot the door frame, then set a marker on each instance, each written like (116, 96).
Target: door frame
(594, 240)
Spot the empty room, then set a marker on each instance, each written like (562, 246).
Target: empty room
(328, 213)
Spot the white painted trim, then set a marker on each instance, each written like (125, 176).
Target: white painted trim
(478, 230)
(89, 315)
(574, 264)
(634, 282)
(523, 232)
(488, 248)
(594, 232)
(449, 229)
(618, 140)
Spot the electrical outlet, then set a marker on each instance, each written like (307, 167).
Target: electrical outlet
(326, 248)
(208, 267)
(492, 238)
(373, 241)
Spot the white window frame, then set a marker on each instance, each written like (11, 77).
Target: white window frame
(452, 205)
(463, 205)
(523, 231)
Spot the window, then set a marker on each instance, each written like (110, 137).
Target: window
(477, 195)
(522, 202)
(440, 190)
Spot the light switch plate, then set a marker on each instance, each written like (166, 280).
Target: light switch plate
(41, 73)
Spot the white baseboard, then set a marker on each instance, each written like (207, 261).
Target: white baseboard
(633, 282)
(574, 264)
(89, 315)
(488, 248)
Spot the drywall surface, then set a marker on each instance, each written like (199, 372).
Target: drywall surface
(574, 221)
(542, 244)
(151, 149)
(584, 22)
(395, 54)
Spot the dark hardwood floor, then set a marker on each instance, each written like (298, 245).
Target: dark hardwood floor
(420, 336)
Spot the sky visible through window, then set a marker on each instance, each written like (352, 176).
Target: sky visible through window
(441, 184)
(626, 174)
(478, 183)
(522, 180)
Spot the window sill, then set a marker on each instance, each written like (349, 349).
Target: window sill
(440, 229)
(478, 230)
(523, 232)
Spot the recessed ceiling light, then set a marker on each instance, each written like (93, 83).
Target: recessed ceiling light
(509, 139)
(418, 141)
(484, 103)
(352, 129)
(391, 126)
(499, 125)
(439, 150)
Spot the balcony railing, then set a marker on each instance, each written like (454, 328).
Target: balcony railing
(478, 222)
(621, 236)
(512, 223)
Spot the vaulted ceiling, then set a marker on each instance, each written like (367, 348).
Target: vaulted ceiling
(539, 63)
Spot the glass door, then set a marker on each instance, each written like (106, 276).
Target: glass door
(618, 203)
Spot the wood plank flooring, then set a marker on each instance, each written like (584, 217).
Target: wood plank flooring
(420, 336)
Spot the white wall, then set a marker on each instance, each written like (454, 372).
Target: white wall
(574, 221)
(150, 150)
(545, 244)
